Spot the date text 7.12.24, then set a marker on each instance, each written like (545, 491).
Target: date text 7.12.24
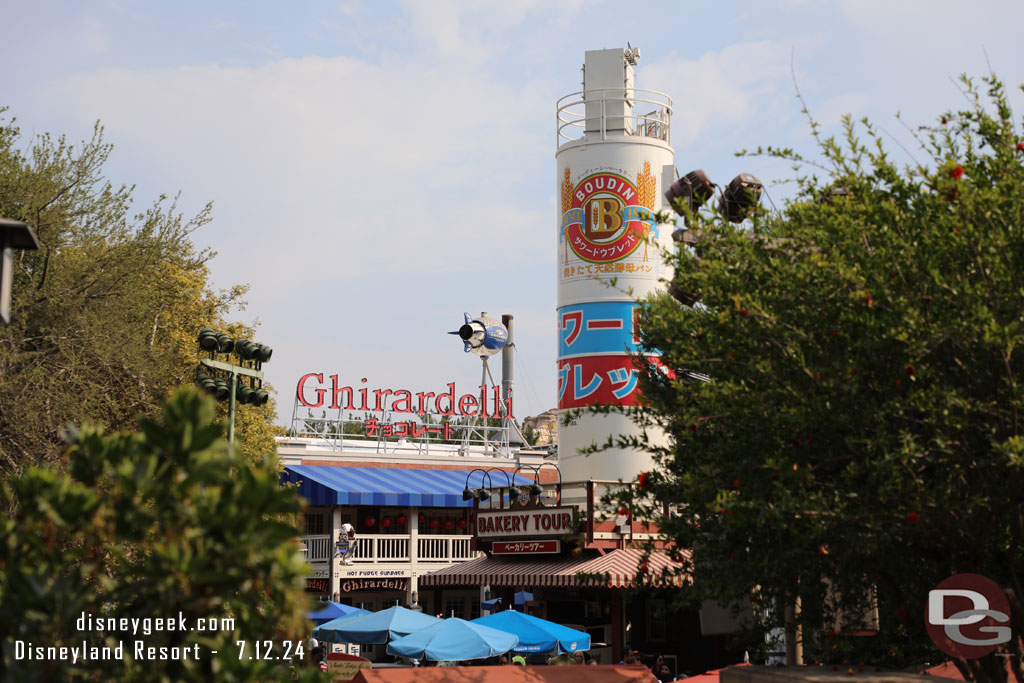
(269, 649)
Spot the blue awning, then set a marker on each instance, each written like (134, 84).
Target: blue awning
(331, 485)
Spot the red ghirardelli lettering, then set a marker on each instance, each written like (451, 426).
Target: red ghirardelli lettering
(449, 402)
(319, 392)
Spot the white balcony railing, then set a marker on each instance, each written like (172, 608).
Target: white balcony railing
(445, 548)
(380, 548)
(318, 548)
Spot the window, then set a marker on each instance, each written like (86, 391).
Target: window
(474, 608)
(368, 521)
(656, 613)
(315, 524)
(456, 607)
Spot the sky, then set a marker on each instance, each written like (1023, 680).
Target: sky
(378, 168)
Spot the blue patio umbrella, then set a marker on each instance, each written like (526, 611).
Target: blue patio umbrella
(374, 627)
(331, 611)
(537, 635)
(453, 640)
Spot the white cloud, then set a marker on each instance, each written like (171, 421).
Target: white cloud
(472, 30)
(407, 166)
(916, 46)
(95, 37)
(833, 109)
(350, 191)
(721, 89)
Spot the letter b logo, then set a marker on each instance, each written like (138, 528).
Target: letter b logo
(961, 614)
(603, 217)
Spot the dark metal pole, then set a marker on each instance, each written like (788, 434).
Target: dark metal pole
(231, 408)
(507, 369)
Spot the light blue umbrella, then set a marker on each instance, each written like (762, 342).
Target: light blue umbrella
(537, 635)
(331, 611)
(453, 640)
(374, 627)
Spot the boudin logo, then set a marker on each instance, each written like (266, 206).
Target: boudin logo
(603, 219)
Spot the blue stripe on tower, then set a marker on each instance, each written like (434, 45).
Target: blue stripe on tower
(599, 327)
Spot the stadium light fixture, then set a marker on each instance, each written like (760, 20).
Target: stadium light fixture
(225, 384)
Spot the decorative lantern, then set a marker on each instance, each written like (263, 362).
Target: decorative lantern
(385, 522)
(400, 520)
(447, 525)
(462, 524)
(370, 522)
(434, 523)
(422, 519)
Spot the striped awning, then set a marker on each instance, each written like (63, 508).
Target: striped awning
(338, 485)
(617, 569)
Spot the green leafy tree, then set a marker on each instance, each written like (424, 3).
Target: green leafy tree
(530, 434)
(158, 523)
(105, 314)
(860, 438)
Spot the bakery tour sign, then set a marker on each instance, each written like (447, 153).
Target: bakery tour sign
(525, 523)
(314, 392)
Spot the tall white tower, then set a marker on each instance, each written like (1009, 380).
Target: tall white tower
(614, 163)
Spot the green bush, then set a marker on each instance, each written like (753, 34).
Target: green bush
(165, 523)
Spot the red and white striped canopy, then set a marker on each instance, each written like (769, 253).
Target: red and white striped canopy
(617, 569)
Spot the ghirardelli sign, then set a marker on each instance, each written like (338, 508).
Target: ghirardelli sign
(350, 585)
(483, 402)
(525, 523)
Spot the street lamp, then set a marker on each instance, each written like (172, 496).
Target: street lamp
(479, 493)
(482, 493)
(535, 489)
(13, 235)
(252, 354)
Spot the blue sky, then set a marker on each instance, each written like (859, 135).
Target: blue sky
(377, 168)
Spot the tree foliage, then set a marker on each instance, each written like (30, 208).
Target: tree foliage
(105, 314)
(862, 428)
(147, 525)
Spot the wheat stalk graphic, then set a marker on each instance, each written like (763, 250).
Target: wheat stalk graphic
(566, 205)
(645, 189)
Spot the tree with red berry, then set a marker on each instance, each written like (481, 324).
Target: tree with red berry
(862, 435)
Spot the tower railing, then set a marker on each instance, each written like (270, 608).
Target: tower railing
(613, 110)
